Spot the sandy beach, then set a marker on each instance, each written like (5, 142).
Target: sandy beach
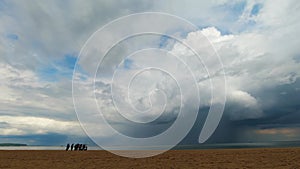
(225, 158)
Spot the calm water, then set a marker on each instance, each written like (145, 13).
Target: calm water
(40, 148)
(180, 147)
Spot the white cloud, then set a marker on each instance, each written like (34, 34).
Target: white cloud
(22, 88)
(250, 60)
(45, 32)
(258, 58)
(254, 56)
(243, 106)
(22, 125)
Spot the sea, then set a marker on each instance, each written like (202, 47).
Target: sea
(277, 144)
(30, 147)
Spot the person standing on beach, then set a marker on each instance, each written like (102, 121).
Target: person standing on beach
(76, 147)
(72, 145)
(68, 146)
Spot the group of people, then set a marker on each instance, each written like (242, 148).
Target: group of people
(79, 147)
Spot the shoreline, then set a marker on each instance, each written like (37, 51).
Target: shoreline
(96, 148)
(208, 149)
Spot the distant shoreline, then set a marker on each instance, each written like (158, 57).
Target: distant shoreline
(279, 144)
(12, 144)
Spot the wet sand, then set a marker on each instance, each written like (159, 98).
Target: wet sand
(225, 158)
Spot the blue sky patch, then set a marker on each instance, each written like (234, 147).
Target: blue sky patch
(163, 41)
(238, 8)
(256, 8)
(48, 74)
(2, 5)
(66, 65)
(233, 10)
(12, 36)
(58, 69)
(128, 63)
(69, 61)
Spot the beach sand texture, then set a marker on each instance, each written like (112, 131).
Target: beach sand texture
(225, 158)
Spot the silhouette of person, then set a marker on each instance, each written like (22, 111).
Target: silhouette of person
(80, 147)
(68, 146)
(72, 146)
(76, 146)
(85, 147)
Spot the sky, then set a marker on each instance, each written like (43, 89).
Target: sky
(40, 44)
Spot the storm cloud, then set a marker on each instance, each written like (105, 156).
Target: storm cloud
(257, 42)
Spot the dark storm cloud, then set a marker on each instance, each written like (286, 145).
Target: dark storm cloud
(262, 64)
(281, 109)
